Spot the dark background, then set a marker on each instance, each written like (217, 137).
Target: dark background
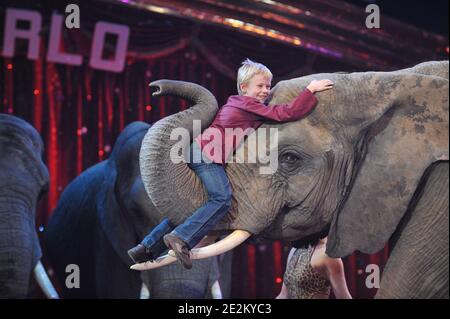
(429, 15)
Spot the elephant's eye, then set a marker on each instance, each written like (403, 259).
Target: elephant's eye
(290, 161)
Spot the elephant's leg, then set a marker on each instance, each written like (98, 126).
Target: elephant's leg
(418, 265)
(226, 271)
(113, 278)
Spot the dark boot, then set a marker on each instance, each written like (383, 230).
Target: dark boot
(140, 254)
(180, 249)
(152, 246)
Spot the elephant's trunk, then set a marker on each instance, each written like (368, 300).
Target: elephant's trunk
(173, 188)
(19, 250)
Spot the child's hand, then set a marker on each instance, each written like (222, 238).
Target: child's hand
(320, 85)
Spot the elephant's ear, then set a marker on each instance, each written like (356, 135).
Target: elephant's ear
(404, 130)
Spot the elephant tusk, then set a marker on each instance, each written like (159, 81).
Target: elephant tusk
(207, 240)
(222, 246)
(233, 240)
(145, 293)
(44, 282)
(216, 292)
(159, 262)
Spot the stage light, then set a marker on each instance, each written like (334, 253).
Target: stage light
(148, 108)
(82, 131)
(36, 92)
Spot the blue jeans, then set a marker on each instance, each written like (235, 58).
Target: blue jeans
(215, 180)
(154, 240)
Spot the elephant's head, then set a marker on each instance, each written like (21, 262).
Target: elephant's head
(347, 163)
(23, 179)
(362, 153)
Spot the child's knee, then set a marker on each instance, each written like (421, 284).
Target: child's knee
(227, 199)
(223, 199)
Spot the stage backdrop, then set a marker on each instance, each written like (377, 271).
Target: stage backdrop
(79, 110)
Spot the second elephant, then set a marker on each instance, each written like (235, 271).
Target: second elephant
(102, 214)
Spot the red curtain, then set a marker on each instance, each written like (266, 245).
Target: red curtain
(79, 113)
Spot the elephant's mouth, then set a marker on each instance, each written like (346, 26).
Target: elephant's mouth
(292, 233)
(291, 223)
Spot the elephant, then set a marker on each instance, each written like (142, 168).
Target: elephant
(369, 164)
(103, 213)
(24, 180)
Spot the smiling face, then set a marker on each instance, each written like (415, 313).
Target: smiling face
(257, 87)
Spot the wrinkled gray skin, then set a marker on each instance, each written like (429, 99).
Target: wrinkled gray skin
(103, 213)
(23, 178)
(369, 162)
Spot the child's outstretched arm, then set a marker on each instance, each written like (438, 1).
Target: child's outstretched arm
(295, 110)
(320, 85)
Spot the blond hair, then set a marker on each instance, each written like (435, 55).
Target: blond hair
(248, 70)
